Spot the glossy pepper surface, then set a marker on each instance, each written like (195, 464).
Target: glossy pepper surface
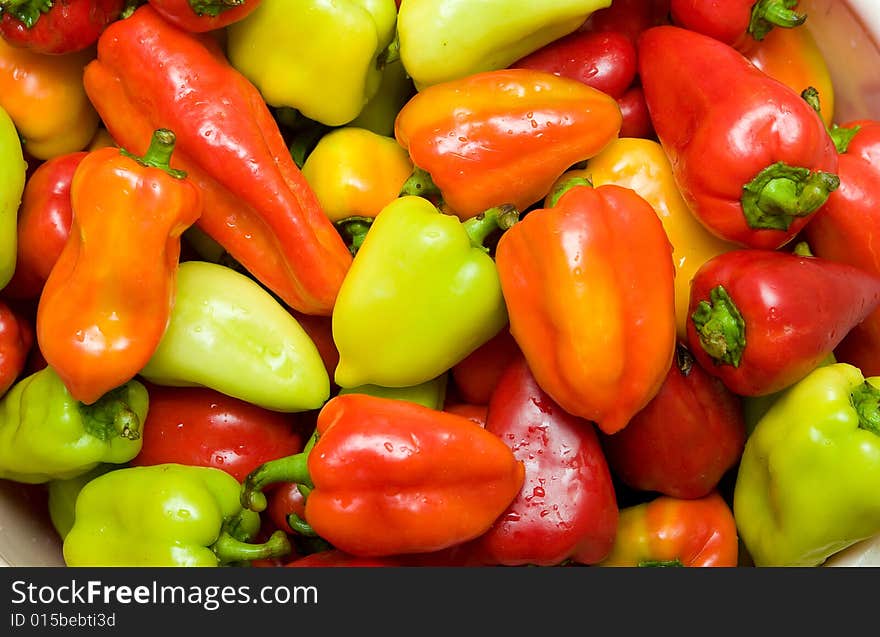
(16, 341)
(44, 96)
(62, 496)
(388, 477)
(588, 284)
(290, 50)
(428, 273)
(763, 319)
(266, 359)
(45, 434)
(149, 71)
(171, 515)
(641, 164)
(566, 509)
(12, 183)
(442, 40)
(670, 531)
(56, 27)
(808, 479)
(753, 164)
(108, 298)
(503, 137)
(736, 22)
(431, 393)
(199, 16)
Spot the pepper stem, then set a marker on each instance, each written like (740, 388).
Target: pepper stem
(564, 186)
(802, 249)
(229, 549)
(300, 526)
(866, 400)
(26, 11)
(841, 136)
(390, 53)
(354, 231)
(213, 8)
(420, 184)
(287, 469)
(158, 155)
(780, 193)
(111, 416)
(479, 228)
(720, 327)
(767, 14)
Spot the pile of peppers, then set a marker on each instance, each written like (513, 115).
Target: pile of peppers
(436, 283)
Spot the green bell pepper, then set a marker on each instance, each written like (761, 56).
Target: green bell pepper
(228, 333)
(431, 394)
(165, 515)
(12, 178)
(63, 494)
(809, 478)
(47, 435)
(319, 57)
(442, 40)
(422, 293)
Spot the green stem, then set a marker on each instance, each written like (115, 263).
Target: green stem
(780, 193)
(839, 135)
(767, 14)
(802, 249)
(420, 184)
(287, 469)
(111, 416)
(300, 526)
(482, 226)
(230, 550)
(158, 155)
(564, 186)
(720, 327)
(213, 8)
(26, 11)
(354, 231)
(660, 563)
(390, 54)
(866, 400)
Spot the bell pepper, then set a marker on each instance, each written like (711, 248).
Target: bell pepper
(320, 330)
(634, 111)
(149, 71)
(13, 170)
(431, 273)
(842, 232)
(685, 440)
(53, 27)
(389, 477)
(395, 90)
(266, 357)
(641, 164)
(763, 319)
(736, 23)
(171, 515)
(16, 340)
(567, 508)
(200, 16)
(629, 17)
(443, 40)
(45, 434)
(753, 164)
(476, 413)
(503, 137)
(588, 284)
(431, 394)
(290, 49)
(62, 495)
(51, 110)
(44, 219)
(355, 172)
(670, 531)
(809, 476)
(477, 374)
(201, 427)
(107, 301)
(793, 57)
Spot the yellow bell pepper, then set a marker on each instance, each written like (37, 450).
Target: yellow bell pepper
(45, 97)
(641, 164)
(355, 172)
(318, 57)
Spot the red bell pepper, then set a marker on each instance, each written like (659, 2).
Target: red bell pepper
(56, 27)
(388, 477)
(44, 220)
(735, 22)
(16, 340)
(684, 441)
(763, 319)
(630, 17)
(199, 16)
(634, 110)
(567, 508)
(201, 427)
(503, 137)
(477, 374)
(258, 205)
(588, 284)
(477, 413)
(754, 164)
(844, 230)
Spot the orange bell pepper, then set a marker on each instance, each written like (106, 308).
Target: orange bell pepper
(45, 98)
(671, 531)
(589, 289)
(108, 298)
(503, 137)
